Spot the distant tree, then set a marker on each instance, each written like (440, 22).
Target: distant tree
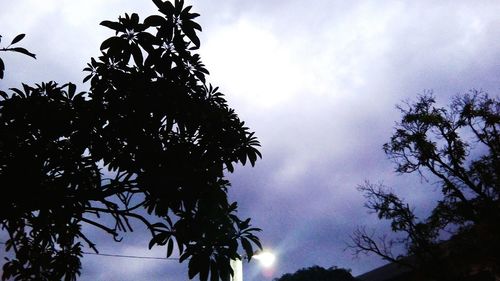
(460, 146)
(318, 273)
(150, 141)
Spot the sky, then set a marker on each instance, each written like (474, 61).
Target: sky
(318, 81)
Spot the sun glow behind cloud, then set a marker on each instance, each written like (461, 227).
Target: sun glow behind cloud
(254, 65)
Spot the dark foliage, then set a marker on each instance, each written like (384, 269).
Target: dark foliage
(460, 147)
(150, 141)
(317, 273)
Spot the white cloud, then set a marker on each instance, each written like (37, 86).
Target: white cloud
(253, 65)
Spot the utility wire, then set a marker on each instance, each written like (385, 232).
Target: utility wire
(122, 256)
(128, 256)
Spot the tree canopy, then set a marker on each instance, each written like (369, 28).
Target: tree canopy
(457, 146)
(318, 273)
(149, 141)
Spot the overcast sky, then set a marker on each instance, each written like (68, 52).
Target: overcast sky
(317, 81)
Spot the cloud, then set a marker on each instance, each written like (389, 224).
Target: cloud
(318, 82)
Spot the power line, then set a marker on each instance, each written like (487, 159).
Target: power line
(122, 256)
(129, 256)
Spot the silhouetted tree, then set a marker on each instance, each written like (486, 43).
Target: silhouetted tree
(318, 273)
(460, 146)
(150, 141)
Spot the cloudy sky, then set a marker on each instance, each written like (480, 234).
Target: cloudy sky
(317, 81)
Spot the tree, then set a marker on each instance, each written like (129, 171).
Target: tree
(460, 147)
(318, 273)
(150, 141)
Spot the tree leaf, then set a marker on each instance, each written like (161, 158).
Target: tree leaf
(2, 68)
(137, 54)
(179, 4)
(183, 257)
(71, 90)
(155, 20)
(204, 272)
(23, 51)
(191, 34)
(193, 266)
(255, 240)
(170, 247)
(87, 78)
(18, 92)
(164, 6)
(134, 18)
(214, 273)
(113, 25)
(17, 39)
(247, 247)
